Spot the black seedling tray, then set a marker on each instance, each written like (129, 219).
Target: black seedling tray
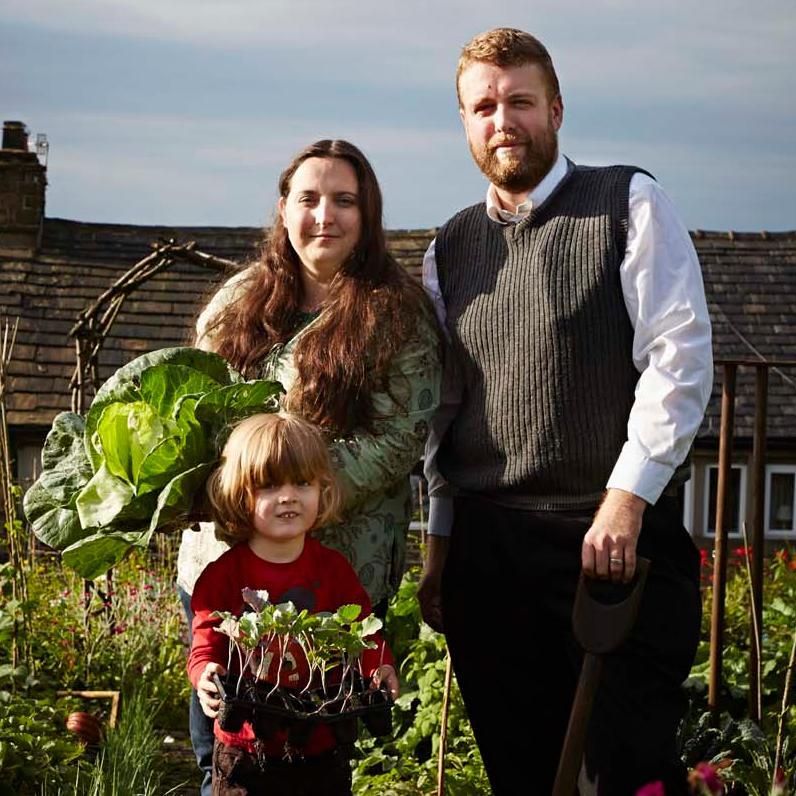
(272, 709)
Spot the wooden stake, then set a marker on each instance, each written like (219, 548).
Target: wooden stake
(443, 726)
(720, 557)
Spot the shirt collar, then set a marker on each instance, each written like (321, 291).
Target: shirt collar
(538, 195)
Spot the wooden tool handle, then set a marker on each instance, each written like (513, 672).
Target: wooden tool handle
(572, 753)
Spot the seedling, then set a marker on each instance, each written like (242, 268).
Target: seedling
(298, 667)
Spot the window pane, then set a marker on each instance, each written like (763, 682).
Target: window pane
(780, 513)
(734, 520)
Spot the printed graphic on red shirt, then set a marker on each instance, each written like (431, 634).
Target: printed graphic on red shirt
(291, 669)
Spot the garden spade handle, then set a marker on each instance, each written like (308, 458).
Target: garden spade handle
(575, 741)
(599, 628)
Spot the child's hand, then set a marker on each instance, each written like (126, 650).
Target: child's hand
(386, 676)
(206, 690)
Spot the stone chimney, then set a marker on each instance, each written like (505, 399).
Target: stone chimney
(22, 184)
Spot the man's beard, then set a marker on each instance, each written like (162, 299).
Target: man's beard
(523, 173)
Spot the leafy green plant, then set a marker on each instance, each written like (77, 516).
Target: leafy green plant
(133, 644)
(749, 751)
(406, 763)
(146, 446)
(16, 610)
(324, 640)
(738, 748)
(35, 750)
(130, 635)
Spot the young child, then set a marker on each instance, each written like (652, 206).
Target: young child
(274, 485)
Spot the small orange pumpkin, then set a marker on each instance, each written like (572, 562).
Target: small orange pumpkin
(85, 726)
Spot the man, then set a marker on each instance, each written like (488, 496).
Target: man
(579, 368)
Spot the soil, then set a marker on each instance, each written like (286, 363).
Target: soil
(180, 765)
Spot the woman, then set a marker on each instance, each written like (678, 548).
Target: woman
(330, 314)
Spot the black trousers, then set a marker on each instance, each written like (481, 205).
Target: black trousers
(507, 591)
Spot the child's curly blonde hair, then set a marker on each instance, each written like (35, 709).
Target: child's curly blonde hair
(268, 449)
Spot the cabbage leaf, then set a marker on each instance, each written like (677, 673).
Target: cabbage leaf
(139, 461)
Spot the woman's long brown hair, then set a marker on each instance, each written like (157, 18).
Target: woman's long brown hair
(372, 308)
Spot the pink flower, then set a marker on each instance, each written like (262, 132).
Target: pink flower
(652, 789)
(707, 775)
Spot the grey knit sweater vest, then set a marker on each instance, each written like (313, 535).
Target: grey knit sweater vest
(542, 340)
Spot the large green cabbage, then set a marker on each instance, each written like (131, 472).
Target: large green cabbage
(133, 466)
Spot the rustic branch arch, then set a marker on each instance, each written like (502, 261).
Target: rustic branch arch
(95, 321)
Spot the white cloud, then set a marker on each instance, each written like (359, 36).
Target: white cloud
(687, 89)
(311, 23)
(678, 49)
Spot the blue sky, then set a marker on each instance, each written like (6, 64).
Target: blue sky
(185, 111)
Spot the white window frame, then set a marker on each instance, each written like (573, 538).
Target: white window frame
(741, 502)
(779, 468)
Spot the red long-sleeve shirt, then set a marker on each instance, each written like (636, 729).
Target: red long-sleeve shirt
(320, 579)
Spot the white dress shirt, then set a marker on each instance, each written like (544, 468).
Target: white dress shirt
(665, 300)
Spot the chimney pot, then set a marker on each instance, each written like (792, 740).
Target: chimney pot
(15, 136)
(23, 180)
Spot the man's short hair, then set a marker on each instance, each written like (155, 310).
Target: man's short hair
(508, 47)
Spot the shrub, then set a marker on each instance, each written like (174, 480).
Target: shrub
(748, 750)
(131, 635)
(35, 751)
(407, 762)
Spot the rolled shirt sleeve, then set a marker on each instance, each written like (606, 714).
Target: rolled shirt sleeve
(665, 299)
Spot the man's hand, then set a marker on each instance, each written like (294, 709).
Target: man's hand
(207, 692)
(429, 590)
(609, 547)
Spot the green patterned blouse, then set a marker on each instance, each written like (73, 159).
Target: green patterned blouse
(372, 468)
